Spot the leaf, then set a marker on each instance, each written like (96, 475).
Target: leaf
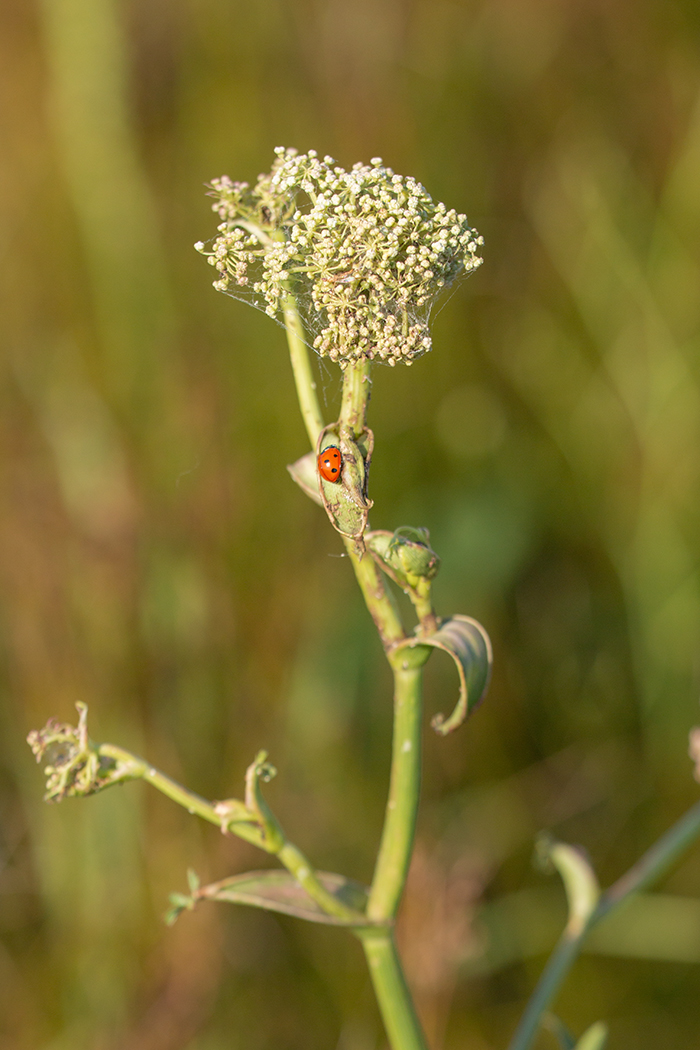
(470, 647)
(580, 882)
(594, 1038)
(305, 474)
(277, 890)
(178, 903)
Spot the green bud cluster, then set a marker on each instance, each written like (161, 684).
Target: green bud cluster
(409, 551)
(406, 556)
(369, 248)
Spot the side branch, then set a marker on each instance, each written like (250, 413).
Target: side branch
(648, 869)
(77, 767)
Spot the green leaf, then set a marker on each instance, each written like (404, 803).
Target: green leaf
(594, 1038)
(469, 645)
(305, 474)
(580, 882)
(278, 890)
(178, 903)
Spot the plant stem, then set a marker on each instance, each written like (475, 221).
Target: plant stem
(353, 415)
(189, 800)
(548, 985)
(650, 867)
(301, 367)
(404, 787)
(423, 604)
(296, 863)
(404, 790)
(393, 995)
(357, 387)
(378, 600)
(653, 864)
(394, 998)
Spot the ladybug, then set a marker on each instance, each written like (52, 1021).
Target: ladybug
(330, 463)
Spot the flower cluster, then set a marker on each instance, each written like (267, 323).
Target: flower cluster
(367, 249)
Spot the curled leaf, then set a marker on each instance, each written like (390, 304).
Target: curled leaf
(469, 645)
(580, 882)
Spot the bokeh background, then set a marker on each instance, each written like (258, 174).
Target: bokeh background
(157, 562)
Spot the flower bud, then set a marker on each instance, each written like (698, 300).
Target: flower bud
(405, 555)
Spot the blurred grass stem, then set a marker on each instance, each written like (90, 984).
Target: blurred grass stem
(647, 870)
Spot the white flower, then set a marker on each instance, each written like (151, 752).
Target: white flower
(368, 250)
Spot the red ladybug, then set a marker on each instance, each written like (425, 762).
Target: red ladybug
(330, 463)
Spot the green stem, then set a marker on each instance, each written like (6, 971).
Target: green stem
(653, 864)
(558, 965)
(296, 863)
(299, 356)
(353, 416)
(378, 600)
(423, 604)
(396, 846)
(189, 800)
(650, 867)
(357, 387)
(301, 367)
(298, 352)
(394, 998)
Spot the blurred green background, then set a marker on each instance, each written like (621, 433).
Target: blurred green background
(157, 562)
